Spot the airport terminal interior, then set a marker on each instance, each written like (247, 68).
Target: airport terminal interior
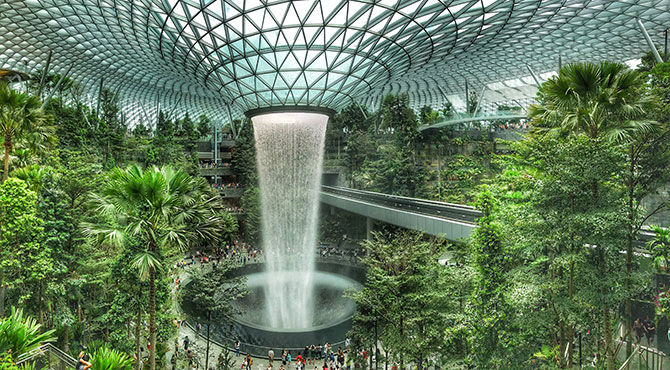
(334, 184)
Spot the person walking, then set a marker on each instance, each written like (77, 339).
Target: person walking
(249, 361)
(83, 360)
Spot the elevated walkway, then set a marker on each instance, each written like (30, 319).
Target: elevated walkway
(467, 118)
(452, 221)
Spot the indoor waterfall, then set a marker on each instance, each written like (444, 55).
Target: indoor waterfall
(289, 149)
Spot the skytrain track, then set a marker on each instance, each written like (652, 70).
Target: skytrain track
(451, 211)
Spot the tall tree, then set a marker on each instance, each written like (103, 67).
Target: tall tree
(210, 296)
(165, 208)
(599, 101)
(404, 295)
(489, 319)
(22, 120)
(20, 235)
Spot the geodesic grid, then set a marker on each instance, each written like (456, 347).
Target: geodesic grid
(224, 57)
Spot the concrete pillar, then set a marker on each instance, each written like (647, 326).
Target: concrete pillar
(369, 227)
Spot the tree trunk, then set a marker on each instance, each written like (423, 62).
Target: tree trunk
(402, 358)
(628, 315)
(8, 149)
(207, 350)
(152, 319)
(138, 322)
(609, 351)
(2, 296)
(66, 339)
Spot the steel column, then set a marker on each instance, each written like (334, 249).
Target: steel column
(97, 109)
(665, 46)
(60, 81)
(232, 124)
(467, 98)
(532, 73)
(479, 102)
(650, 43)
(44, 74)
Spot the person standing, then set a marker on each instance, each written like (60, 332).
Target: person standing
(650, 328)
(639, 329)
(237, 348)
(186, 342)
(310, 355)
(271, 356)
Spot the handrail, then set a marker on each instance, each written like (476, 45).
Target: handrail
(42, 350)
(215, 342)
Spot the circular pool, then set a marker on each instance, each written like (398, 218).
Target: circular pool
(331, 317)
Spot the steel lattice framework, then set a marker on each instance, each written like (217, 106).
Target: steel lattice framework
(224, 57)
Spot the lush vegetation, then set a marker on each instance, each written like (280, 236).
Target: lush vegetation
(551, 268)
(93, 212)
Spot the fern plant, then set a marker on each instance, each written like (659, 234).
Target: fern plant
(19, 334)
(105, 358)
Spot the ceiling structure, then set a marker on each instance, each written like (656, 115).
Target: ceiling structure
(225, 57)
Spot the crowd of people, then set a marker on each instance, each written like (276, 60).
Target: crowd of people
(323, 356)
(229, 185)
(207, 165)
(234, 209)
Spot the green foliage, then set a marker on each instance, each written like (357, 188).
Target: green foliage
(660, 247)
(404, 296)
(400, 118)
(105, 358)
(20, 334)
(489, 310)
(251, 227)
(244, 157)
(22, 122)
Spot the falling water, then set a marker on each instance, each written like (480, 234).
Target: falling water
(289, 149)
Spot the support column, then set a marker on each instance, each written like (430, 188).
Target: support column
(467, 98)
(215, 145)
(60, 81)
(650, 43)
(369, 227)
(532, 74)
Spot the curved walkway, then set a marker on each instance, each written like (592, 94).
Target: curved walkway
(198, 341)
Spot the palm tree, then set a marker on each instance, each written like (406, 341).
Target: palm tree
(601, 101)
(22, 119)
(165, 208)
(597, 100)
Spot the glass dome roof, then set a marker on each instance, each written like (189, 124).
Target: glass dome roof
(225, 57)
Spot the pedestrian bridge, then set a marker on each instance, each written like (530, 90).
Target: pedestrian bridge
(452, 221)
(464, 118)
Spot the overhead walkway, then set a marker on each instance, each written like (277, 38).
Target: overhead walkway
(452, 221)
(467, 118)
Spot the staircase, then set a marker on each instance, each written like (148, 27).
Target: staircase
(48, 356)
